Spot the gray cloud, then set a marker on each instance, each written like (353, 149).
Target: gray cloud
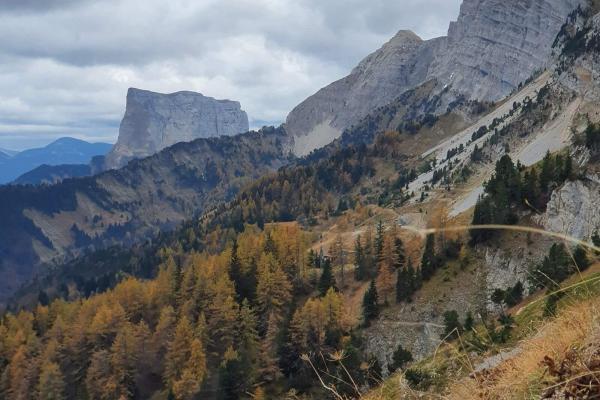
(65, 65)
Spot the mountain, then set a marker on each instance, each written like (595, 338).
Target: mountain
(44, 224)
(62, 151)
(491, 48)
(50, 174)
(363, 264)
(154, 121)
(7, 153)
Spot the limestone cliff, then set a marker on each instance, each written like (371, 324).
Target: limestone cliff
(154, 121)
(492, 47)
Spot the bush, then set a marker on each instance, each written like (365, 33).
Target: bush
(418, 378)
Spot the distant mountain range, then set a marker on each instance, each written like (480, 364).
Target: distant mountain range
(62, 151)
(50, 174)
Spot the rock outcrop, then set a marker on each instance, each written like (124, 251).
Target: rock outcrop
(492, 47)
(572, 209)
(154, 121)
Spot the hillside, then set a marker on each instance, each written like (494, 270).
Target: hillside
(49, 174)
(440, 247)
(49, 223)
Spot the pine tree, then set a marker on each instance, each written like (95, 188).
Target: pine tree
(452, 326)
(596, 239)
(399, 254)
(567, 172)
(235, 272)
(414, 276)
(547, 172)
(428, 262)
(360, 273)
(404, 285)
(231, 377)
(370, 303)
(469, 322)
(399, 359)
(326, 280)
(581, 258)
(379, 238)
(339, 256)
(531, 189)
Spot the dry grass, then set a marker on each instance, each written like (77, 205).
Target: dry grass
(526, 375)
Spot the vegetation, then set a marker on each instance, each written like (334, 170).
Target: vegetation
(512, 188)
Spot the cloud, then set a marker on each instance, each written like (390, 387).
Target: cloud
(65, 65)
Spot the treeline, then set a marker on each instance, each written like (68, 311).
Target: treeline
(224, 326)
(513, 188)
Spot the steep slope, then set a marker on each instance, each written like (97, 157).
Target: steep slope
(154, 121)
(62, 151)
(376, 81)
(491, 48)
(43, 224)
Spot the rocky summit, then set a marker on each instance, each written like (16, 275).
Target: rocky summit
(154, 121)
(490, 49)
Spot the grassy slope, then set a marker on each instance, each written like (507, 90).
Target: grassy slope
(525, 369)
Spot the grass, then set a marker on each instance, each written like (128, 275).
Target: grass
(524, 376)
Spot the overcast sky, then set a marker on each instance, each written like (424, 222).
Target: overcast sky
(65, 65)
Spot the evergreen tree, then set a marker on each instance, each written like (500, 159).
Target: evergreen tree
(596, 239)
(428, 262)
(399, 359)
(312, 258)
(399, 254)
(370, 304)
(379, 238)
(547, 173)
(514, 295)
(415, 276)
(482, 215)
(231, 377)
(469, 322)
(404, 285)
(531, 189)
(555, 268)
(326, 280)
(581, 258)
(567, 172)
(452, 326)
(360, 273)
(235, 272)
(498, 297)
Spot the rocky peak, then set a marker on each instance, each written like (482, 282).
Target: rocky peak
(154, 121)
(492, 47)
(377, 80)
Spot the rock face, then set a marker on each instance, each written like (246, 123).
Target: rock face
(154, 121)
(572, 209)
(492, 47)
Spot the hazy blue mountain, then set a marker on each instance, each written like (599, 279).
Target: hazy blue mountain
(50, 174)
(62, 151)
(5, 153)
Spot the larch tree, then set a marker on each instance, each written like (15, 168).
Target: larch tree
(51, 385)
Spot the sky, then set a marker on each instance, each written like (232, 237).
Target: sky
(65, 65)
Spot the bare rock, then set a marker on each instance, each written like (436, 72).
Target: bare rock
(154, 121)
(492, 47)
